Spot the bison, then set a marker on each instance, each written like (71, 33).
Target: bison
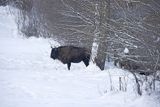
(71, 54)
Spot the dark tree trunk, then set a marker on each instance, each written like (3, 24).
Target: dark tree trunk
(101, 55)
(102, 47)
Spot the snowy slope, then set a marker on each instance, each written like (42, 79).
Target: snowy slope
(30, 78)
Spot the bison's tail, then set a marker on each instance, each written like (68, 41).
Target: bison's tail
(88, 56)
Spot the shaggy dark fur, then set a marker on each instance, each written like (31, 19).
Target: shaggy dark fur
(68, 54)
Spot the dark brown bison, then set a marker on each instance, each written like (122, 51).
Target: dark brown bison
(71, 54)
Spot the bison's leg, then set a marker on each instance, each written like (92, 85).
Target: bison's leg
(86, 62)
(69, 65)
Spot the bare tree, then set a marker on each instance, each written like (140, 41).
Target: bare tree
(135, 25)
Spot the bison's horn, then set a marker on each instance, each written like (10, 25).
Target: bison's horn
(50, 44)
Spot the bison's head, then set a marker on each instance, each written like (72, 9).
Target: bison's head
(54, 53)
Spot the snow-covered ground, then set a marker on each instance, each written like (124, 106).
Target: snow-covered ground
(30, 78)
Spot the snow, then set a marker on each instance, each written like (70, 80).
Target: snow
(30, 78)
(126, 50)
